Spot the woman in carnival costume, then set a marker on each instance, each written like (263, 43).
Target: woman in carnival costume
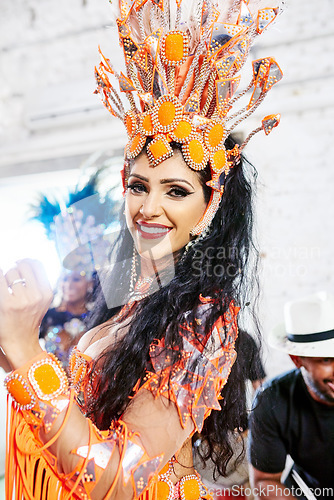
(152, 370)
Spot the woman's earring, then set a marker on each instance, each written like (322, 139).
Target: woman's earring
(197, 238)
(133, 277)
(188, 246)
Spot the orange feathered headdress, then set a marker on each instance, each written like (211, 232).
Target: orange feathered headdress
(183, 61)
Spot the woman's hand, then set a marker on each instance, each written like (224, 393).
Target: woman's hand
(25, 296)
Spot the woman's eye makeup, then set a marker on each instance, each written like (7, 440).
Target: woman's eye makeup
(137, 187)
(178, 192)
(172, 191)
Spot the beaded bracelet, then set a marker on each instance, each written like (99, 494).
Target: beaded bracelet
(42, 378)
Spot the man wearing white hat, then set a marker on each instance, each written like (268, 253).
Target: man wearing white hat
(293, 414)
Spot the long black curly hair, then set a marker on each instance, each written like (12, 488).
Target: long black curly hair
(221, 265)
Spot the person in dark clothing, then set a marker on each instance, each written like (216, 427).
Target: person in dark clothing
(293, 414)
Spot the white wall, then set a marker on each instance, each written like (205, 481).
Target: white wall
(295, 163)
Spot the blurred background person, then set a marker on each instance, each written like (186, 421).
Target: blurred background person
(63, 326)
(77, 225)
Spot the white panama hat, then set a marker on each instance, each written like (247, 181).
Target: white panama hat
(308, 328)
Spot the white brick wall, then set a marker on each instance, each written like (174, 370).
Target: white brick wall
(296, 174)
(48, 53)
(48, 50)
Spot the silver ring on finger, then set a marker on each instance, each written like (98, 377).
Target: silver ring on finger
(22, 281)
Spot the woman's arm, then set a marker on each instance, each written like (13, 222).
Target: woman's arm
(154, 434)
(4, 363)
(151, 431)
(118, 463)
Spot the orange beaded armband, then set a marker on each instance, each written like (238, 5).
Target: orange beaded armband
(40, 386)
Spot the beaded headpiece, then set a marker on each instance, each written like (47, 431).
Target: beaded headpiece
(183, 60)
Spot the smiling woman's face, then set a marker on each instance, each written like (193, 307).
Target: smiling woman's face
(163, 204)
